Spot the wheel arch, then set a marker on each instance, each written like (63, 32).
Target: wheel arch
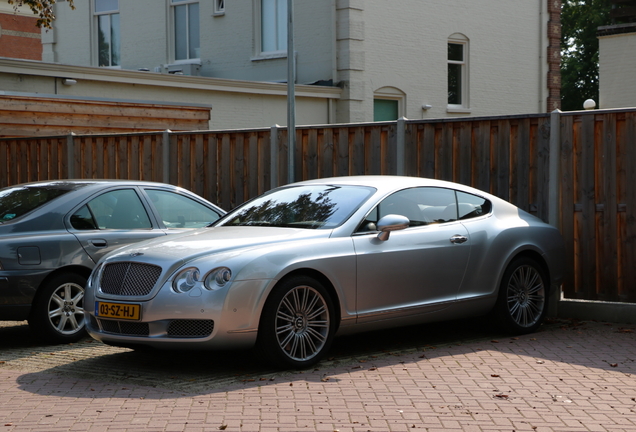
(76, 269)
(538, 258)
(324, 280)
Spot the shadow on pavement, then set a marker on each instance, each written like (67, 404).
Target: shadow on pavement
(193, 372)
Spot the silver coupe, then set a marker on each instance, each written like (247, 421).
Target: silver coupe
(289, 270)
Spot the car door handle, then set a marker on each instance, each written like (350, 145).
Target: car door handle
(458, 239)
(100, 243)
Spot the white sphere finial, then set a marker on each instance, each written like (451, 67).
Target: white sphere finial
(589, 104)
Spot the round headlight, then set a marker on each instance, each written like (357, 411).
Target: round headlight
(217, 278)
(185, 280)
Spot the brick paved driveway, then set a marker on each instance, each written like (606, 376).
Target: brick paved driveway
(455, 377)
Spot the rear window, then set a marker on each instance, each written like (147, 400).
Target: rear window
(20, 200)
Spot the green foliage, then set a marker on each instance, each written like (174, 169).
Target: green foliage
(580, 20)
(41, 8)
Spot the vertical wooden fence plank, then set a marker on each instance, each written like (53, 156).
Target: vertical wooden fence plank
(607, 242)
(326, 162)
(628, 159)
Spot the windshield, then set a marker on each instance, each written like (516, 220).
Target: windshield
(311, 207)
(20, 200)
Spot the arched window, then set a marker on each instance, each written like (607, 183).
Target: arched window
(388, 104)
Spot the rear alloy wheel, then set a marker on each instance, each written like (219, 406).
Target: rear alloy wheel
(57, 314)
(522, 302)
(297, 324)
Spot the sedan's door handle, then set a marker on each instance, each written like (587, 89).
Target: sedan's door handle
(458, 239)
(100, 243)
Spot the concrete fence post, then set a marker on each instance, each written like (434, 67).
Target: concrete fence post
(273, 149)
(165, 155)
(400, 152)
(70, 155)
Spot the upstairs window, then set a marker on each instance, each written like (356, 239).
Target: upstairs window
(186, 29)
(219, 7)
(273, 26)
(457, 73)
(108, 40)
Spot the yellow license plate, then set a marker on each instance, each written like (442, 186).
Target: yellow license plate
(117, 311)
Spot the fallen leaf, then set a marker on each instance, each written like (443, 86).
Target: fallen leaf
(494, 341)
(625, 330)
(373, 368)
(357, 367)
(613, 364)
(502, 396)
(494, 376)
(222, 427)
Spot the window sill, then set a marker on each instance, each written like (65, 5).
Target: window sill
(270, 56)
(188, 61)
(458, 110)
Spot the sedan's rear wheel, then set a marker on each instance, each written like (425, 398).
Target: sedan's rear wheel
(57, 314)
(522, 302)
(297, 324)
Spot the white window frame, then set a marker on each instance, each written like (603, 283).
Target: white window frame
(259, 54)
(173, 32)
(464, 106)
(97, 16)
(219, 8)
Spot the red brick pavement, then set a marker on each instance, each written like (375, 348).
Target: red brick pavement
(570, 378)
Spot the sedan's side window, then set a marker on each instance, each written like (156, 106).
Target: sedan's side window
(178, 211)
(470, 206)
(422, 206)
(119, 209)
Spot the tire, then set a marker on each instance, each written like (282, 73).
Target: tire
(523, 297)
(297, 324)
(57, 313)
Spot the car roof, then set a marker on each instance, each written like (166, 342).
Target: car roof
(384, 183)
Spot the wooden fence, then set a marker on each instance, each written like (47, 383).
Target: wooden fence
(576, 170)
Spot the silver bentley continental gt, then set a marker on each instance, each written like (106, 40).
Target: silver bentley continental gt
(289, 270)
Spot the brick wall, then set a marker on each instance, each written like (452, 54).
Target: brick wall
(554, 55)
(20, 38)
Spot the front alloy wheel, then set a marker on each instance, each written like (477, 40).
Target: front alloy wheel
(297, 323)
(57, 314)
(522, 302)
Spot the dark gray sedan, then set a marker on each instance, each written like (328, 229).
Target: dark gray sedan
(52, 234)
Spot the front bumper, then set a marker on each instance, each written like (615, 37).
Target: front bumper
(226, 318)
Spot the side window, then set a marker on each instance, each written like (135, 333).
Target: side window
(120, 209)
(178, 211)
(470, 206)
(83, 219)
(108, 32)
(422, 206)
(187, 40)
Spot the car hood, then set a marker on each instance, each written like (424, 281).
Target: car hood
(195, 244)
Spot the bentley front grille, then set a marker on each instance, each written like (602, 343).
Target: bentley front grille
(190, 328)
(129, 278)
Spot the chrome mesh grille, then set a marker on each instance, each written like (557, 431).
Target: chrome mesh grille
(125, 327)
(190, 328)
(129, 278)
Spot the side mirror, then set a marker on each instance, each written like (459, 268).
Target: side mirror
(391, 222)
